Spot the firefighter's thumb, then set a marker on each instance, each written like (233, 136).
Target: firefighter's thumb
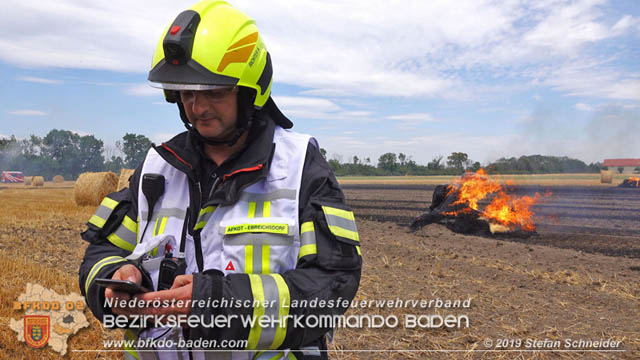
(131, 273)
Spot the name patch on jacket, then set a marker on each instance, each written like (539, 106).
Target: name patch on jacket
(266, 228)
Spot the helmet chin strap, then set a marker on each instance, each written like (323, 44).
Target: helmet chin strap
(243, 124)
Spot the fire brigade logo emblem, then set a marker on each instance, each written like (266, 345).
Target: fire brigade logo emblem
(36, 330)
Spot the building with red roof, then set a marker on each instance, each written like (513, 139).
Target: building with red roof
(622, 166)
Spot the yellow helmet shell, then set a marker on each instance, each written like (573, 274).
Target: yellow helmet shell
(211, 45)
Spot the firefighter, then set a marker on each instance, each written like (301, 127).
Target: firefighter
(237, 214)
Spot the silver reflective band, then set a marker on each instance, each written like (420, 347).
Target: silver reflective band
(171, 86)
(258, 239)
(333, 220)
(274, 195)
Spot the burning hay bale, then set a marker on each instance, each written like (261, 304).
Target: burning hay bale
(457, 207)
(633, 182)
(58, 179)
(91, 188)
(37, 181)
(123, 181)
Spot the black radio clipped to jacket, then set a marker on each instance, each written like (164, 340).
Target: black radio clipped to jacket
(172, 266)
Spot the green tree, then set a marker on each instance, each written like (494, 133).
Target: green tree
(436, 163)
(324, 153)
(388, 162)
(356, 160)
(403, 158)
(90, 154)
(135, 148)
(458, 160)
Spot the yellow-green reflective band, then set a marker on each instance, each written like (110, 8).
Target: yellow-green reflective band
(98, 266)
(306, 227)
(160, 225)
(110, 203)
(97, 221)
(258, 311)
(248, 259)
(305, 250)
(272, 297)
(126, 235)
(252, 209)
(120, 242)
(200, 225)
(266, 209)
(351, 235)
(265, 228)
(204, 216)
(341, 223)
(338, 212)
(358, 250)
(284, 299)
(130, 351)
(208, 209)
(130, 224)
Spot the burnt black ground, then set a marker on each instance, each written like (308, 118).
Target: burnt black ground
(603, 220)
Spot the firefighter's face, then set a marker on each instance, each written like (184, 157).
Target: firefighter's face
(212, 112)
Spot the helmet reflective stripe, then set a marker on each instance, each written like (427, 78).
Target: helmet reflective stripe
(212, 44)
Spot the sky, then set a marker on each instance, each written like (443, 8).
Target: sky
(424, 78)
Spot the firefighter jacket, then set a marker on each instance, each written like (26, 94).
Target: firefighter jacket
(268, 227)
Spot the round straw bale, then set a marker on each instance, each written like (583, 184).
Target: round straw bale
(91, 188)
(123, 181)
(58, 179)
(37, 181)
(606, 176)
(27, 180)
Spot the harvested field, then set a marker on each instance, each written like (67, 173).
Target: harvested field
(579, 278)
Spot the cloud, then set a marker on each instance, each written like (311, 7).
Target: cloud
(428, 49)
(82, 132)
(589, 78)
(307, 107)
(142, 90)
(411, 121)
(28, 113)
(39, 80)
(584, 107)
(159, 138)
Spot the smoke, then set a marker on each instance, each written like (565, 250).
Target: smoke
(614, 132)
(610, 131)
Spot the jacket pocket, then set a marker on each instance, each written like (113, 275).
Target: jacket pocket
(338, 242)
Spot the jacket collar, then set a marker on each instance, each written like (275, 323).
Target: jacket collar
(242, 169)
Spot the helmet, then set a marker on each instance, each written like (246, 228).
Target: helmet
(208, 46)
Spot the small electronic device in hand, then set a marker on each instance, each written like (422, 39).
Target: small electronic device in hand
(170, 267)
(125, 286)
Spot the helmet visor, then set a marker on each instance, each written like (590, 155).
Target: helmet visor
(178, 87)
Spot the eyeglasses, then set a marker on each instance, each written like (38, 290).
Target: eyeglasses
(215, 95)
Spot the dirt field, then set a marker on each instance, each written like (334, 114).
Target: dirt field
(578, 279)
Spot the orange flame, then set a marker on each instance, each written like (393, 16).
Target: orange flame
(635, 180)
(510, 211)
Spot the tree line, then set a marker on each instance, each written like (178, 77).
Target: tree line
(62, 152)
(390, 164)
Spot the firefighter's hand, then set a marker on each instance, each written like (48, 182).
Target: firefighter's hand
(126, 272)
(178, 298)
